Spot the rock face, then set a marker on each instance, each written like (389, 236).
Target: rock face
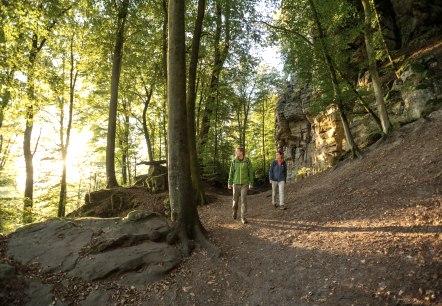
(310, 143)
(315, 143)
(128, 251)
(405, 20)
(420, 87)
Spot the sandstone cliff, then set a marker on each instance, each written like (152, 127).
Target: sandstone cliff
(315, 143)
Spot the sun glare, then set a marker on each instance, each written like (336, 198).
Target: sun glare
(48, 165)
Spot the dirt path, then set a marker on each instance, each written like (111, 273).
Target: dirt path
(366, 233)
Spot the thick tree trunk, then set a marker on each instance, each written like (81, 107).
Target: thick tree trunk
(377, 87)
(219, 59)
(337, 92)
(197, 183)
(115, 80)
(187, 225)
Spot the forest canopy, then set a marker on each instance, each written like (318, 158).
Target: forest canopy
(57, 80)
(83, 88)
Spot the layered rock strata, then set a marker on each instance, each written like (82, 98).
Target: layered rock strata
(315, 143)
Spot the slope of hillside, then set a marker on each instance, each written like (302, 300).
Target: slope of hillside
(367, 232)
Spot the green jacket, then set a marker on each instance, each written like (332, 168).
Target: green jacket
(241, 172)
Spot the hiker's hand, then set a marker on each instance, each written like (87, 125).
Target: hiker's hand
(270, 181)
(250, 186)
(229, 186)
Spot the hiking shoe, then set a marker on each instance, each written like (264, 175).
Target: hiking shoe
(234, 215)
(282, 207)
(244, 220)
(274, 205)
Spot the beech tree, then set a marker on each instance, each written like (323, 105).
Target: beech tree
(187, 225)
(65, 140)
(38, 40)
(116, 70)
(191, 97)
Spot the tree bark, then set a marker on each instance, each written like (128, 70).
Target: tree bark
(164, 62)
(65, 144)
(187, 225)
(29, 185)
(145, 129)
(337, 92)
(197, 183)
(27, 153)
(125, 145)
(377, 87)
(115, 80)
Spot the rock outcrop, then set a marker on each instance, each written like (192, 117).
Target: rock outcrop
(129, 251)
(315, 143)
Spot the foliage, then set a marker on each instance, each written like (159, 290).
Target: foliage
(86, 29)
(301, 47)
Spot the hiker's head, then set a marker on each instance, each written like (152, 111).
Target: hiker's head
(279, 155)
(240, 152)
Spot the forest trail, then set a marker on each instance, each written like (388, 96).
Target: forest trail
(367, 232)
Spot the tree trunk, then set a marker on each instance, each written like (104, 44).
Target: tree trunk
(65, 144)
(220, 57)
(115, 80)
(215, 136)
(263, 136)
(197, 183)
(29, 185)
(164, 47)
(145, 129)
(125, 146)
(164, 62)
(377, 87)
(361, 100)
(27, 153)
(187, 225)
(337, 92)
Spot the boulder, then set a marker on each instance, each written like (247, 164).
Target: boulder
(129, 250)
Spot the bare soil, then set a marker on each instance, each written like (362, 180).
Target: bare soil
(367, 232)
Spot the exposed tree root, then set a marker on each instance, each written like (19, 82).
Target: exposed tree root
(190, 236)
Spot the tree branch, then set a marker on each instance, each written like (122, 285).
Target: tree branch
(279, 28)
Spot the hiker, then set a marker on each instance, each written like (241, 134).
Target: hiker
(278, 178)
(241, 179)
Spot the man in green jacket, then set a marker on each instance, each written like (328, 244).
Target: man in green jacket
(241, 179)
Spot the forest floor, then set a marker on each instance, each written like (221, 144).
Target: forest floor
(367, 232)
